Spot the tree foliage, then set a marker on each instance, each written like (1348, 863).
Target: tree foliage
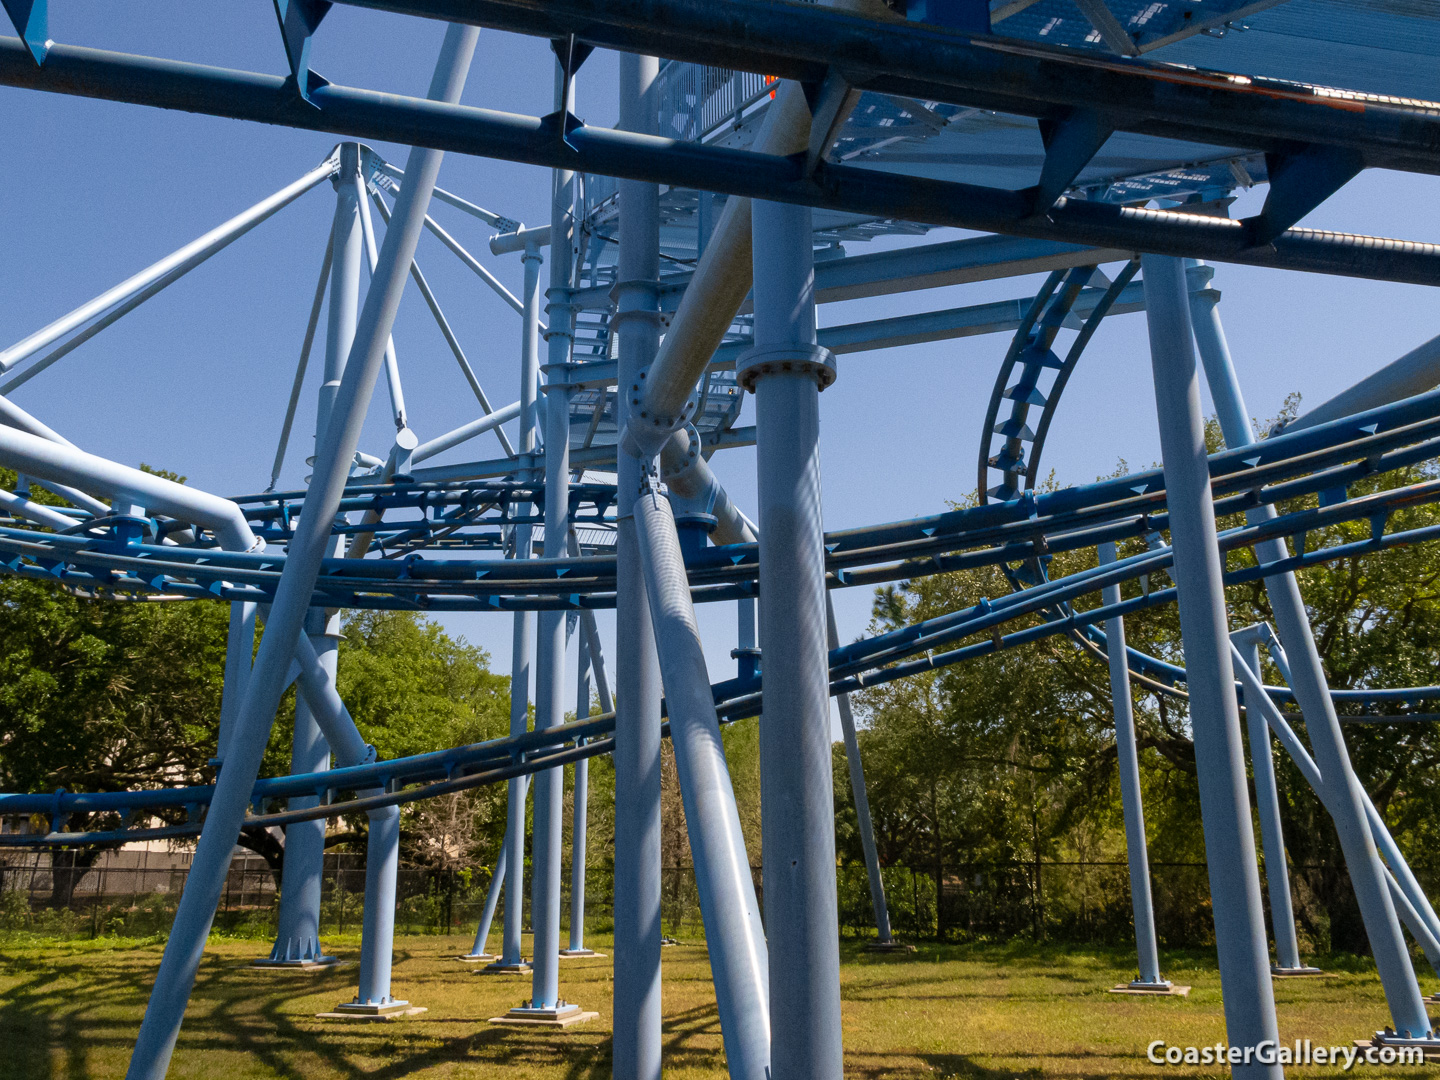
(1009, 759)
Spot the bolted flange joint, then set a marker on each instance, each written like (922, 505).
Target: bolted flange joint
(646, 432)
(814, 360)
(692, 456)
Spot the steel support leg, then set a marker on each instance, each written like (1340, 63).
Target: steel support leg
(579, 823)
(550, 653)
(1131, 804)
(1312, 694)
(511, 955)
(297, 940)
(487, 916)
(637, 671)
(316, 683)
(239, 656)
(1215, 718)
(206, 880)
(1272, 834)
(733, 933)
(858, 793)
(377, 941)
(786, 369)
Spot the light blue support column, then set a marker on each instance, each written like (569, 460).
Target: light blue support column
(1131, 804)
(512, 959)
(487, 917)
(545, 1002)
(316, 683)
(637, 671)
(733, 932)
(239, 655)
(1272, 835)
(211, 864)
(884, 942)
(579, 823)
(1312, 694)
(297, 939)
(786, 370)
(1214, 716)
(377, 943)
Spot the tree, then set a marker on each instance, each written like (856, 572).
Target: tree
(1009, 758)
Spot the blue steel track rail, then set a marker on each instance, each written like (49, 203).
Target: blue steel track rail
(1316, 459)
(1386, 441)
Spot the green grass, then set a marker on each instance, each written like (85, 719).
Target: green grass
(69, 1011)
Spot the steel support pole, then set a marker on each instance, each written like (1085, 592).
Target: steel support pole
(592, 663)
(316, 682)
(511, 953)
(550, 653)
(579, 822)
(166, 271)
(1312, 694)
(734, 935)
(786, 369)
(1272, 834)
(211, 864)
(1215, 718)
(858, 793)
(377, 938)
(239, 656)
(637, 670)
(297, 937)
(487, 917)
(1130, 800)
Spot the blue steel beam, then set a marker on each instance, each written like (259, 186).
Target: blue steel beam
(805, 42)
(528, 139)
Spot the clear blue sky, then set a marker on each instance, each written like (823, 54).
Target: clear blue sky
(196, 380)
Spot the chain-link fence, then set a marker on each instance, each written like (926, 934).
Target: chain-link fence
(134, 893)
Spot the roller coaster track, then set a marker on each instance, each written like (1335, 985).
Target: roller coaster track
(1025, 528)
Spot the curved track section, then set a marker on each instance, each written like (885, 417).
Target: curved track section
(1072, 519)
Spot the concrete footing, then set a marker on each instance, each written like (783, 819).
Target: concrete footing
(1429, 1047)
(497, 968)
(319, 964)
(889, 947)
(476, 958)
(580, 954)
(1144, 989)
(353, 1010)
(1301, 972)
(563, 1015)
